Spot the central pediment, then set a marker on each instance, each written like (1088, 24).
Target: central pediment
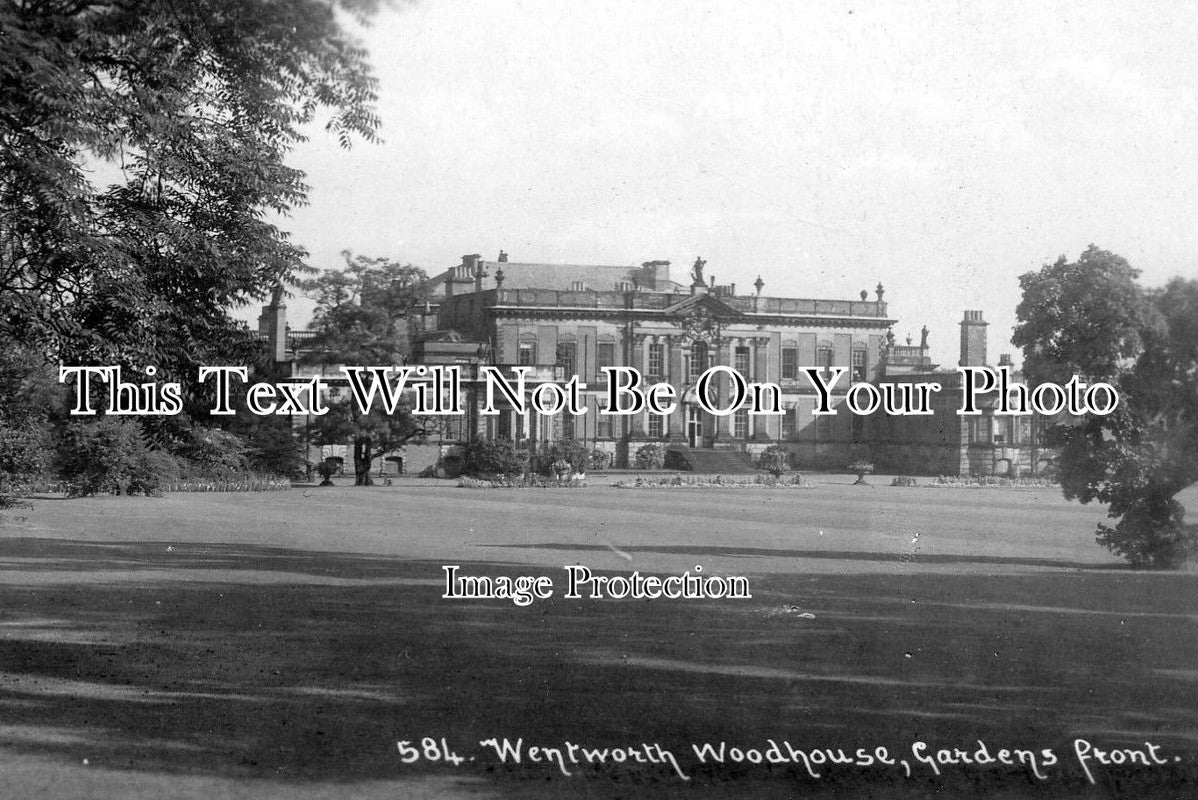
(707, 304)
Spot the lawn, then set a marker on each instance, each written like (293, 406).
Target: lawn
(282, 644)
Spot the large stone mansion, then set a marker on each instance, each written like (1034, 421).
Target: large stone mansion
(559, 320)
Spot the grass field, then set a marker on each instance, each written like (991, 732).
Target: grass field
(281, 644)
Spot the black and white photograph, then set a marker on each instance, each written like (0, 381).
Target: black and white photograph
(624, 399)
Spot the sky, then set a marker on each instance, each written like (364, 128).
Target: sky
(940, 149)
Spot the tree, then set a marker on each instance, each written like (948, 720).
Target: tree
(1091, 318)
(373, 435)
(362, 318)
(192, 106)
(363, 311)
(32, 402)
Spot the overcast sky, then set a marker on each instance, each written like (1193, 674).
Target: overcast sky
(940, 149)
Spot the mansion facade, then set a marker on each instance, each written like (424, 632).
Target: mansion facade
(558, 321)
(564, 321)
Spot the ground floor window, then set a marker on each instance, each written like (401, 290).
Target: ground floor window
(790, 423)
(740, 423)
(655, 425)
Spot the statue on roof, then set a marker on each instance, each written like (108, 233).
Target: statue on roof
(697, 272)
(923, 337)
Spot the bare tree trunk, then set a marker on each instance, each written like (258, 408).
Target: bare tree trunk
(362, 461)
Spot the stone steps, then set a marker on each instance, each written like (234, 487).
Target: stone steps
(709, 462)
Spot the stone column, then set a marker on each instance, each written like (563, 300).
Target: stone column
(638, 347)
(676, 422)
(766, 426)
(721, 356)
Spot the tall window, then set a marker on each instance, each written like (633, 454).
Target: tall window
(789, 420)
(528, 354)
(740, 423)
(656, 360)
(655, 425)
(567, 425)
(698, 360)
(790, 363)
(741, 361)
(858, 365)
(566, 352)
(605, 354)
(823, 357)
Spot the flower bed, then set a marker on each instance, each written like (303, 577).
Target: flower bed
(530, 481)
(974, 482)
(792, 481)
(246, 484)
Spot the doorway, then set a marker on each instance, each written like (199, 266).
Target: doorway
(694, 426)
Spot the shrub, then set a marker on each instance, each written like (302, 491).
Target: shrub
(774, 460)
(498, 457)
(215, 453)
(600, 459)
(650, 456)
(904, 480)
(108, 456)
(571, 451)
(273, 449)
(22, 460)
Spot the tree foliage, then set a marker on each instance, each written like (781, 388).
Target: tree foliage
(1092, 318)
(143, 156)
(363, 312)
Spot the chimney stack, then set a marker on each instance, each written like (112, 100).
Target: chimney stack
(272, 325)
(973, 340)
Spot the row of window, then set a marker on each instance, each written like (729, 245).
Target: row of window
(823, 360)
(818, 427)
(694, 363)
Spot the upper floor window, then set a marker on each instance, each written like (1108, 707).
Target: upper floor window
(605, 355)
(698, 360)
(741, 362)
(823, 357)
(790, 363)
(566, 357)
(656, 360)
(528, 354)
(858, 365)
